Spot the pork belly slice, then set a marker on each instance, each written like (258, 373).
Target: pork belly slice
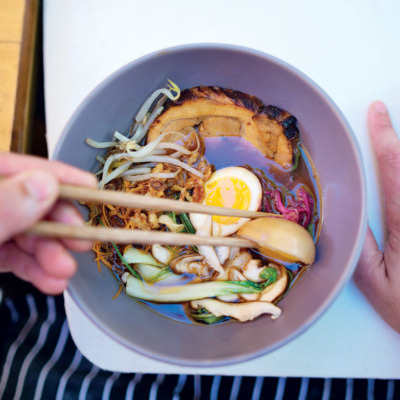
(217, 111)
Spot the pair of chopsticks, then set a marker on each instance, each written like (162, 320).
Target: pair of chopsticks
(120, 235)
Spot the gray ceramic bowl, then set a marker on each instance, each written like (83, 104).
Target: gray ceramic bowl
(325, 134)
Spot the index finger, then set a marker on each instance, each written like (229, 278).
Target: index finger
(12, 163)
(387, 149)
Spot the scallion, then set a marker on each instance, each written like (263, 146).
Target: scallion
(186, 221)
(132, 271)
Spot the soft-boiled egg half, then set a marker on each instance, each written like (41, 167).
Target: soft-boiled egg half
(232, 187)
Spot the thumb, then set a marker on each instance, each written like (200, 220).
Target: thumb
(24, 199)
(370, 273)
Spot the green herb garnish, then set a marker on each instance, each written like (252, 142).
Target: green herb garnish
(253, 286)
(170, 248)
(186, 222)
(163, 271)
(172, 215)
(270, 275)
(205, 317)
(132, 271)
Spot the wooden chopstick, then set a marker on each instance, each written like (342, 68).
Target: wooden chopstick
(152, 203)
(133, 236)
(120, 235)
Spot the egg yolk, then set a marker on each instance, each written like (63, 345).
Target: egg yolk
(228, 192)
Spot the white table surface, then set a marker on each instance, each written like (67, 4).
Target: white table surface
(351, 49)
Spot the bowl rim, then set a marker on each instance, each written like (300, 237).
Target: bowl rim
(359, 238)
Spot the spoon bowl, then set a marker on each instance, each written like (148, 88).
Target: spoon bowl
(281, 239)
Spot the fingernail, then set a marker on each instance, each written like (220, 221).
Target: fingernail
(380, 107)
(40, 185)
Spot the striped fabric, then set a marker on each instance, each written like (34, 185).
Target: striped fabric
(38, 360)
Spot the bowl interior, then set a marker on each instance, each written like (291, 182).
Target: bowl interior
(325, 134)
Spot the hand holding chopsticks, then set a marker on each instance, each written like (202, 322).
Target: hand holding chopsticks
(29, 191)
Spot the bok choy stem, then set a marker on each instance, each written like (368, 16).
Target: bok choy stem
(178, 293)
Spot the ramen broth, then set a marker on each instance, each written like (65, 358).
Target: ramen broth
(228, 151)
(174, 155)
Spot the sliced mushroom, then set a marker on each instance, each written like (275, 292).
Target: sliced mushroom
(240, 259)
(234, 252)
(268, 128)
(162, 254)
(252, 270)
(222, 253)
(191, 264)
(211, 256)
(240, 311)
(233, 274)
(207, 251)
(273, 291)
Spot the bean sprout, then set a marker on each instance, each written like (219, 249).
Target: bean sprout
(165, 175)
(172, 87)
